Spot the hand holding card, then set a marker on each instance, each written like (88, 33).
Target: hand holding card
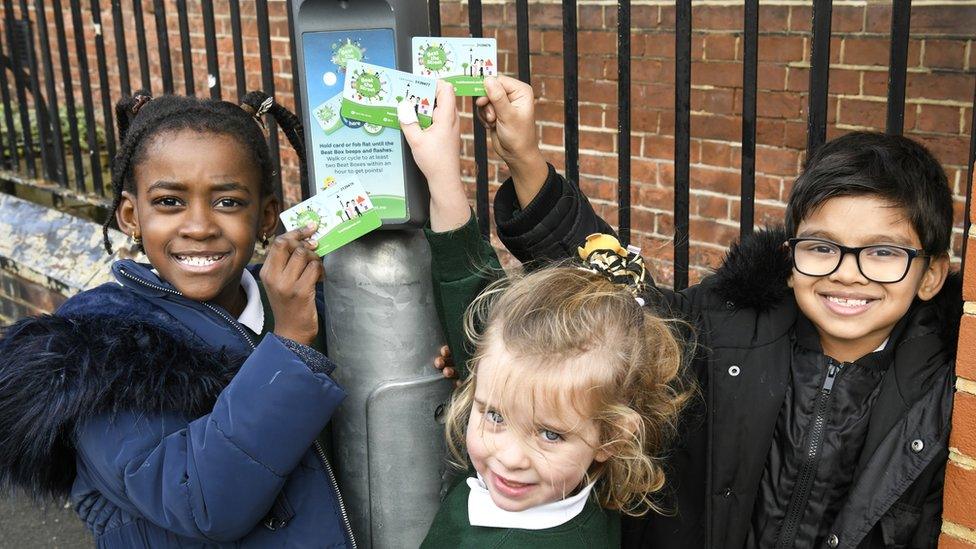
(437, 151)
(508, 112)
(371, 94)
(342, 211)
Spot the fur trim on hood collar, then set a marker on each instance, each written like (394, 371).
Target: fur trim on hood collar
(756, 271)
(57, 372)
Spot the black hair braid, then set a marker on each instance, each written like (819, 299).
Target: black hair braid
(290, 125)
(125, 111)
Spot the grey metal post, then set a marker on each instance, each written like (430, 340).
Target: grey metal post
(382, 332)
(382, 328)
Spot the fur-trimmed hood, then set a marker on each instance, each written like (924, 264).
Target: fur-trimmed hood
(756, 271)
(56, 372)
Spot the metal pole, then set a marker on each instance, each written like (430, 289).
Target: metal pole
(381, 328)
(382, 333)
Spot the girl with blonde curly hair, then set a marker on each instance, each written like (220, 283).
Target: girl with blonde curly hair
(574, 388)
(573, 392)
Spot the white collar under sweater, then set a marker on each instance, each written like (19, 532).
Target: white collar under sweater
(253, 314)
(482, 511)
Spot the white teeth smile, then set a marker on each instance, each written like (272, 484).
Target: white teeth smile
(847, 302)
(198, 260)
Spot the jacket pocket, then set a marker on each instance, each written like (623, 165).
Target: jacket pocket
(280, 514)
(899, 524)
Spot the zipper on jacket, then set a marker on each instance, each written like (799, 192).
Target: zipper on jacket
(808, 469)
(217, 311)
(335, 485)
(319, 451)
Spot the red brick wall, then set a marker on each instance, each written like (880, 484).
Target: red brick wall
(939, 96)
(940, 90)
(959, 515)
(938, 112)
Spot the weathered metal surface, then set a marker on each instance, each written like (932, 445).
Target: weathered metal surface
(57, 250)
(382, 331)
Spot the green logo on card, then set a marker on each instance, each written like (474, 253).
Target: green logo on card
(305, 217)
(346, 52)
(367, 84)
(434, 58)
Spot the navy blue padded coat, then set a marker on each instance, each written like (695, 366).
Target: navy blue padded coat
(168, 423)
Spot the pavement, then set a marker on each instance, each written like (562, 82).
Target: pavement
(53, 526)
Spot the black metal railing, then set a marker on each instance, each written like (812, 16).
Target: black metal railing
(38, 79)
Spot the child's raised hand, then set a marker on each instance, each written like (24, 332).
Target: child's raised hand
(437, 151)
(289, 275)
(508, 113)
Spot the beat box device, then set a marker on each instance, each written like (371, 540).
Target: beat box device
(336, 37)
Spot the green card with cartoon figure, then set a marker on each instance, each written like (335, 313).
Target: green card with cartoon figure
(462, 62)
(371, 94)
(341, 208)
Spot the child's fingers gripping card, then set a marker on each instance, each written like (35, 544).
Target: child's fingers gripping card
(342, 209)
(371, 94)
(462, 62)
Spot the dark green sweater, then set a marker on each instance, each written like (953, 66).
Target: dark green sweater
(462, 264)
(593, 528)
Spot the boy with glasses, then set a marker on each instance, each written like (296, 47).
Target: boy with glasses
(825, 351)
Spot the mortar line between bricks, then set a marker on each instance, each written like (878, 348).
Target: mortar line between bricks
(961, 459)
(966, 386)
(959, 532)
(915, 101)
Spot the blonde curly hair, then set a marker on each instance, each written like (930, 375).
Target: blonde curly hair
(630, 381)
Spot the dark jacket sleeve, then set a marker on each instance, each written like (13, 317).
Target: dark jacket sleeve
(215, 477)
(550, 228)
(557, 222)
(462, 265)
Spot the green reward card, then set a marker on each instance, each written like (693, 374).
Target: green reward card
(371, 94)
(327, 115)
(342, 209)
(462, 62)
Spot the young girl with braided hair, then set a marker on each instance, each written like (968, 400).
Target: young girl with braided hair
(180, 405)
(574, 387)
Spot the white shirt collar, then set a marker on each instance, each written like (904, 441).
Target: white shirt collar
(482, 511)
(883, 345)
(253, 314)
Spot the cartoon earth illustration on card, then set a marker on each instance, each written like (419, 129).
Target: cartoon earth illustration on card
(347, 50)
(373, 129)
(371, 94)
(327, 115)
(370, 86)
(435, 58)
(306, 214)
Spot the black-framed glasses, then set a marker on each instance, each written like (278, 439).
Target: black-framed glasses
(882, 263)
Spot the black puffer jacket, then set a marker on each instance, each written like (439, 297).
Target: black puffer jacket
(746, 317)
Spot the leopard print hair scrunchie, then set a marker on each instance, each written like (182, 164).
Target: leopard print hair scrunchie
(603, 254)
